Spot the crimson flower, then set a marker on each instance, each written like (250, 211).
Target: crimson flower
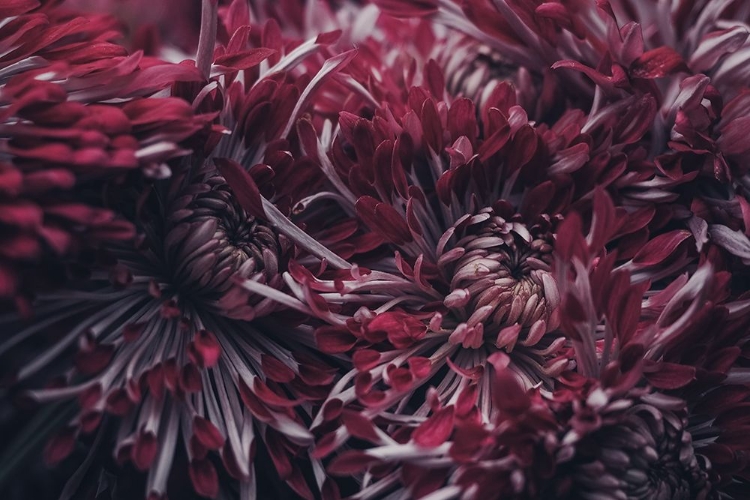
(171, 358)
(458, 212)
(639, 414)
(651, 391)
(498, 251)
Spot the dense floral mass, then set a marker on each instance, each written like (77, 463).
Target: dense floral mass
(387, 249)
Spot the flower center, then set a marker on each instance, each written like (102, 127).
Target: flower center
(501, 285)
(212, 239)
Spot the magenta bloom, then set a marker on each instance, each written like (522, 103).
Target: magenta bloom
(154, 337)
(466, 212)
(635, 401)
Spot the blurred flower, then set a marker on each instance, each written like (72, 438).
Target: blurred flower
(160, 29)
(63, 138)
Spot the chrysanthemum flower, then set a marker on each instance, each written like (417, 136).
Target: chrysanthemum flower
(467, 211)
(663, 399)
(640, 415)
(168, 351)
(691, 57)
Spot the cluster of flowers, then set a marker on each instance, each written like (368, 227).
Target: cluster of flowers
(437, 249)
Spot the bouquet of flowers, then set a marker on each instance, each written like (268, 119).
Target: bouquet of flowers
(387, 249)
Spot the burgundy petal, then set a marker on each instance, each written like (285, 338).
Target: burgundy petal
(657, 63)
(204, 478)
(659, 248)
(670, 375)
(207, 433)
(435, 430)
(243, 186)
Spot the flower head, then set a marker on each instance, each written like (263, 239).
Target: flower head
(168, 348)
(629, 417)
(465, 203)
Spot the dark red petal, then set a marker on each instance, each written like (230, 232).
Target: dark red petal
(94, 360)
(118, 402)
(365, 359)
(262, 391)
(658, 249)
(253, 403)
(279, 455)
(204, 478)
(171, 375)
(207, 433)
(190, 378)
(431, 126)
(360, 427)
(419, 367)
(383, 219)
(435, 430)
(657, 63)
(60, 446)
(332, 409)
(462, 120)
(350, 462)
(245, 59)
(334, 340)
(328, 37)
(144, 450)
(670, 375)
(243, 186)
(275, 369)
(508, 394)
(434, 79)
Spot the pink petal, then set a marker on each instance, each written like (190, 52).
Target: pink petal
(660, 248)
(435, 430)
(204, 478)
(657, 63)
(242, 184)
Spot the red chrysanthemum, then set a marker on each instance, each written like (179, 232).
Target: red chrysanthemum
(498, 251)
(166, 344)
(649, 408)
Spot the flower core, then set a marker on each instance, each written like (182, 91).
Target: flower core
(500, 278)
(212, 239)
